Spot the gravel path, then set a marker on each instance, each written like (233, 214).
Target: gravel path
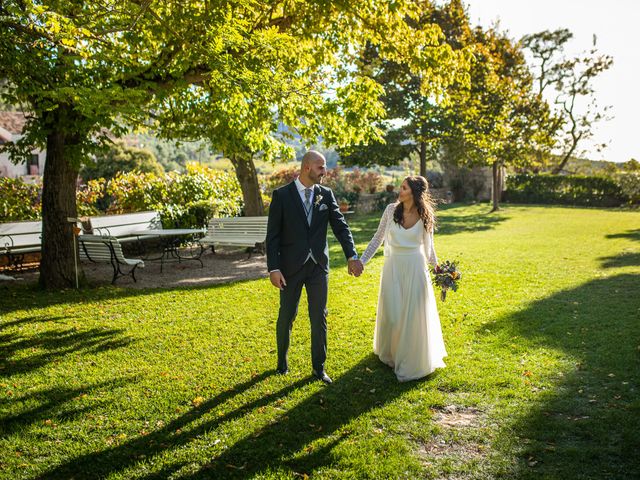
(223, 267)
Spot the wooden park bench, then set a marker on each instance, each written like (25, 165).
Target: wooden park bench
(141, 227)
(106, 249)
(18, 239)
(125, 227)
(250, 232)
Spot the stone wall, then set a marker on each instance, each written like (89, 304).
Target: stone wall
(367, 203)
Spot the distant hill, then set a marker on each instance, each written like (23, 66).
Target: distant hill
(584, 166)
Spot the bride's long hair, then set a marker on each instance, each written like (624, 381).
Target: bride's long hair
(424, 203)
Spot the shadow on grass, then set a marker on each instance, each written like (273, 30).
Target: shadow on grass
(449, 222)
(16, 351)
(589, 426)
(52, 404)
(630, 234)
(279, 445)
(12, 299)
(626, 259)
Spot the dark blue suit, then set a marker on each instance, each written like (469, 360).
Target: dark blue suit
(289, 239)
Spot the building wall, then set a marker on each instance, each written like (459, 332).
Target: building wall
(11, 170)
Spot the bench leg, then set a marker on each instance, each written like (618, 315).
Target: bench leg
(133, 273)
(116, 270)
(16, 261)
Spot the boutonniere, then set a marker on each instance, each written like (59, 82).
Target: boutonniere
(318, 200)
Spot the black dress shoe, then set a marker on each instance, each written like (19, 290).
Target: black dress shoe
(322, 376)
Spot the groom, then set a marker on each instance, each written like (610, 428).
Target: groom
(298, 255)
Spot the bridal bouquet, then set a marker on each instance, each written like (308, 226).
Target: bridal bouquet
(446, 276)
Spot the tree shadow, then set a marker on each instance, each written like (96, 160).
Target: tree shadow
(319, 416)
(450, 222)
(630, 234)
(53, 344)
(625, 259)
(51, 404)
(26, 298)
(589, 425)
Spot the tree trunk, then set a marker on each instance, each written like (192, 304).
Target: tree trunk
(423, 159)
(496, 186)
(564, 160)
(248, 178)
(57, 266)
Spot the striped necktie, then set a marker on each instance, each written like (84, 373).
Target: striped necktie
(307, 204)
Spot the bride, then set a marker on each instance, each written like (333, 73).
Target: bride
(408, 336)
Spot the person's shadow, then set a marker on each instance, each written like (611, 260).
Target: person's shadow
(275, 446)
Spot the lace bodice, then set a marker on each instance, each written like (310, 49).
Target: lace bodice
(382, 235)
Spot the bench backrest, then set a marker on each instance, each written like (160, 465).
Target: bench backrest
(126, 224)
(252, 227)
(98, 248)
(20, 234)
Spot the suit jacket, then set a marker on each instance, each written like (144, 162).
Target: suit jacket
(289, 236)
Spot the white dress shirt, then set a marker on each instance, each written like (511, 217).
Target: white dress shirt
(301, 188)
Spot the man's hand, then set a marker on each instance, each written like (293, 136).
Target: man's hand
(277, 279)
(355, 267)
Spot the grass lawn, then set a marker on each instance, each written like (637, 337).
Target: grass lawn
(543, 375)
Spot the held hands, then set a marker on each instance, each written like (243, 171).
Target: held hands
(277, 279)
(355, 267)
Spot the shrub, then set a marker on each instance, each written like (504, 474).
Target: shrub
(92, 198)
(629, 183)
(225, 193)
(385, 198)
(136, 192)
(360, 181)
(121, 158)
(280, 177)
(19, 200)
(186, 200)
(335, 180)
(565, 189)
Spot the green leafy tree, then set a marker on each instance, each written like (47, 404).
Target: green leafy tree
(315, 93)
(121, 158)
(228, 72)
(489, 116)
(416, 122)
(496, 121)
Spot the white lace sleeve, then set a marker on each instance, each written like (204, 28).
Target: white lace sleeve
(378, 238)
(429, 248)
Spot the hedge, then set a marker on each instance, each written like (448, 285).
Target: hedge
(185, 200)
(565, 189)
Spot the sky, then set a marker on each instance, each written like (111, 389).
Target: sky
(615, 24)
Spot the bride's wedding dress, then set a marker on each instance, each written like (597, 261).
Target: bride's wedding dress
(408, 336)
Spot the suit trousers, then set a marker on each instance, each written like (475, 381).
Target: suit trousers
(316, 282)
